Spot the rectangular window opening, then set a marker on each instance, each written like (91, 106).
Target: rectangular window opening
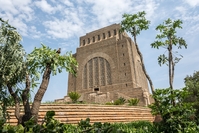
(109, 34)
(115, 32)
(104, 36)
(94, 39)
(88, 40)
(83, 42)
(98, 37)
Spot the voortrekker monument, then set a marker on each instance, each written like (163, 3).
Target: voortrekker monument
(109, 68)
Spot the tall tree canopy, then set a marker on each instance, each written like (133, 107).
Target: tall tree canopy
(168, 39)
(18, 68)
(12, 63)
(134, 24)
(12, 55)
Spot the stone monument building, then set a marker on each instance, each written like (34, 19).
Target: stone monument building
(109, 68)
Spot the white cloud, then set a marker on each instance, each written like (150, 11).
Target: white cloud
(45, 6)
(190, 18)
(181, 9)
(67, 3)
(34, 33)
(16, 7)
(62, 28)
(22, 27)
(70, 24)
(150, 6)
(18, 13)
(190, 58)
(111, 11)
(17, 23)
(192, 3)
(194, 29)
(88, 15)
(7, 6)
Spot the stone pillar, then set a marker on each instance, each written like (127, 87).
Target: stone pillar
(99, 72)
(93, 69)
(105, 72)
(87, 67)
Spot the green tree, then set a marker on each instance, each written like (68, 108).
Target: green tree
(17, 69)
(45, 60)
(175, 118)
(168, 39)
(134, 24)
(192, 85)
(11, 65)
(176, 114)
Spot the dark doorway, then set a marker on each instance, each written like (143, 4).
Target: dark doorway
(96, 89)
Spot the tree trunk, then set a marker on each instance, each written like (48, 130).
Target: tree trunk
(40, 93)
(170, 67)
(142, 62)
(17, 103)
(173, 65)
(171, 70)
(25, 100)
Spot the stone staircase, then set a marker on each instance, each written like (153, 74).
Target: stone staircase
(73, 113)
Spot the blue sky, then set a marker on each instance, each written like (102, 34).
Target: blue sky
(59, 24)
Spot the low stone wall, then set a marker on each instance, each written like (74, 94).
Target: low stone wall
(73, 113)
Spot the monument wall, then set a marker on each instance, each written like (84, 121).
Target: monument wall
(109, 68)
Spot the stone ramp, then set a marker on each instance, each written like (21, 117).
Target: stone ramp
(73, 113)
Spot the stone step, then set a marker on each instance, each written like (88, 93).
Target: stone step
(77, 114)
(73, 113)
(89, 110)
(92, 120)
(86, 105)
(76, 121)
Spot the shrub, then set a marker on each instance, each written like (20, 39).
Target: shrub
(119, 101)
(109, 103)
(51, 125)
(192, 85)
(133, 101)
(176, 118)
(136, 127)
(74, 96)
